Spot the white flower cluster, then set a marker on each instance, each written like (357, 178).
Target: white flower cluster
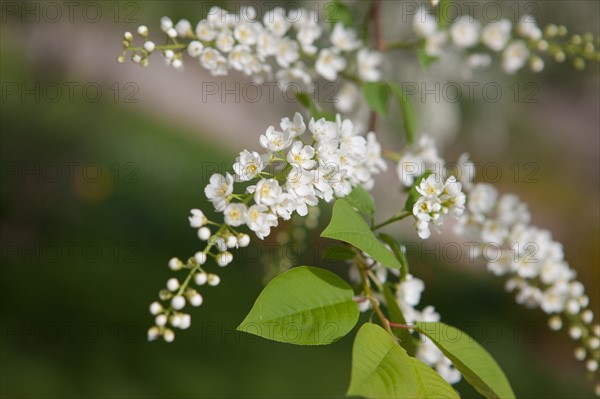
(224, 41)
(498, 36)
(288, 177)
(440, 194)
(539, 273)
(408, 295)
(534, 262)
(438, 199)
(300, 174)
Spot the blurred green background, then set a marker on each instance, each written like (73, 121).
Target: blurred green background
(95, 195)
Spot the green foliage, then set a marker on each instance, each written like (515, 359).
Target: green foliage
(477, 366)
(377, 95)
(361, 200)
(396, 315)
(444, 14)
(382, 369)
(303, 306)
(391, 241)
(336, 11)
(408, 112)
(347, 225)
(338, 252)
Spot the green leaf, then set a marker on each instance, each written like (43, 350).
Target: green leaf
(303, 306)
(382, 369)
(377, 95)
(396, 315)
(432, 385)
(444, 16)
(408, 113)
(336, 11)
(314, 110)
(347, 225)
(360, 199)
(398, 253)
(477, 366)
(338, 253)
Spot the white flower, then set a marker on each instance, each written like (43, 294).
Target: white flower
(286, 52)
(205, 32)
(285, 206)
(347, 97)
(482, 198)
(218, 189)
(309, 30)
(200, 278)
(368, 62)
(409, 291)
(275, 20)
(465, 32)
(424, 23)
(246, 33)
(301, 155)
(210, 58)
(247, 165)
(296, 126)
(435, 43)
(235, 214)
(224, 41)
(275, 141)
(527, 27)
(197, 218)
(323, 130)
(259, 221)
(239, 57)
(447, 371)
(195, 48)
(178, 302)
(330, 63)
(267, 192)
(373, 160)
(204, 232)
(431, 187)
(183, 28)
(515, 56)
(496, 34)
(344, 38)
(479, 60)
(296, 75)
(166, 23)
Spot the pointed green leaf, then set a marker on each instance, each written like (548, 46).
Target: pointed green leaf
(360, 199)
(377, 95)
(477, 366)
(347, 225)
(432, 384)
(398, 253)
(338, 252)
(396, 315)
(408, 113)
(382, 369)
(303, 306)
(336, 11)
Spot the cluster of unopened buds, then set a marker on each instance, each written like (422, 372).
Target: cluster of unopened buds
(518, 45)
(291, 175)
(287, 44)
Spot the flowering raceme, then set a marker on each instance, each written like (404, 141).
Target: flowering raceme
(288, 45)
(292, 174)
(301, 164)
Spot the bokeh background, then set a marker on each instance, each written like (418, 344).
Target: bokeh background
(101, 163)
